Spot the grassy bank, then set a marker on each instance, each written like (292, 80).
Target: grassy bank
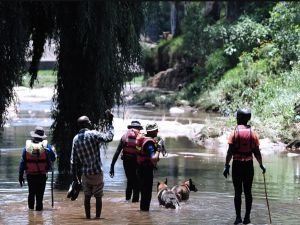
(45, 78)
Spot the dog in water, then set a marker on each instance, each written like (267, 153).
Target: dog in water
(182, 191)
(165, 196)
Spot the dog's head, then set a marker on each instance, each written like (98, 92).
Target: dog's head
(162, 185)
(191, 185)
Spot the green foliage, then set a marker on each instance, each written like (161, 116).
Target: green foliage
(244, 36)
(285, 25)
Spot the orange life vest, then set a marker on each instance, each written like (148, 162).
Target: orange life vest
(129, 143)
(36, 158)
(143, 158)
(242, 143)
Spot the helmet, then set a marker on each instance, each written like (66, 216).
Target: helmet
(151, 127)
(83, 122)
(243, 115)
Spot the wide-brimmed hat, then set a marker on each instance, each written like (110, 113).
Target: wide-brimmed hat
(135, 124)
(38, 133)
(151, 127)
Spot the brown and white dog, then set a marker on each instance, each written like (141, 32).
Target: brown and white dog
(165, 196)
(182, 191)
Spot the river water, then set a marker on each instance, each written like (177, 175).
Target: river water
(211, 205)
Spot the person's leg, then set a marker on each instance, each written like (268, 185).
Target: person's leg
(40, 189)
(146, 178)
(98, 206)
(136, 189)
(237, 183)
(31, 191)
(247, 184)
(97, 190)
(128, 173)
(141, 180)
(88, 191)
(87, 206)
(130, 167)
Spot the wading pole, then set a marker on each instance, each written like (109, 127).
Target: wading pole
(52, 197)
(267, 199)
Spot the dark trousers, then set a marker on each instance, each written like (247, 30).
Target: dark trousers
(130, 167)
(36, 187)
(242, 177)
(145, 175)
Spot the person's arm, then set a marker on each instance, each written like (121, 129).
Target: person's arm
(106, 136)
(115, 158)
(51, 153)
(152, 152)
(22, 167)
(227, 160)
(258, 157)
(229, 154)
(74, 163)
(256, 152)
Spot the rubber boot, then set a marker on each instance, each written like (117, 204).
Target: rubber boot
(98, 207)
(87, 206)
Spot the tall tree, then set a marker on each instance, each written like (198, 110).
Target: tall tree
(97, 47)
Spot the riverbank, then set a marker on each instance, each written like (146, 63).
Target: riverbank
(211, 133)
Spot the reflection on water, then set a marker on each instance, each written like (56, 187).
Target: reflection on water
(212, 204)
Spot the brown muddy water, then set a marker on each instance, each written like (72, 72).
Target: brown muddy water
(211, 205)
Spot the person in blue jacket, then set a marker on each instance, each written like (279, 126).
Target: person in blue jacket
(36, 161)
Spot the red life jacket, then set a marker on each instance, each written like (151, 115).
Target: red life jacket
(143, 157)
(242, 143)
(129, 143)
(36, 158)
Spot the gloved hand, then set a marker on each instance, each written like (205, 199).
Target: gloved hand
(109, 116)
(262, 168)
(21, 181)
(226, 170)
(112, 171)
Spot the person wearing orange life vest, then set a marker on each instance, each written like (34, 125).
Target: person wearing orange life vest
(128, 145)
(243, 143)
(147, 159)
(37, 159)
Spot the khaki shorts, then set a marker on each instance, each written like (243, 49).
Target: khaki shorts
(93, 184)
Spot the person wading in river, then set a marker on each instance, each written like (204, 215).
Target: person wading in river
(128, 145)
(243, 142)
(37, 159)
(85, 160)
(147, 158)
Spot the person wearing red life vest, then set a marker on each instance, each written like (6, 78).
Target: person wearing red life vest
(127, 146)
(147, 158)
(37, 159)
(243, 144)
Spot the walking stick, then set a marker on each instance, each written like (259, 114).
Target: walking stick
(52, 196)
(267, 199)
